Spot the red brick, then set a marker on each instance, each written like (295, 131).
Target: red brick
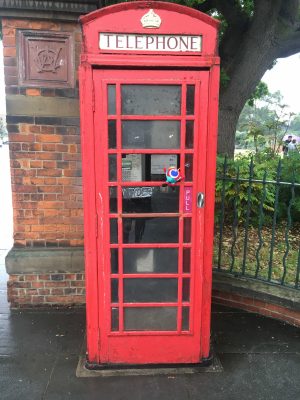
(9, 52)
(43, 292)
(50, 181)
(17, 137)
(37, 285)
(48, 147)
(14, 278)
(70, 276)
(47, 156)
(49, 172)
(61, 148)
(47, 129)
(17, 23)
(8, 32)
(34, 128)
(36, 164)
(30, 277)
(46, 138)
(57, 292)
(44, 277)
(33, 92)
(58, 299)
(54, 284)
(38, 299)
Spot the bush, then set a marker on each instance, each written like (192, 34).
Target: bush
(240, 192)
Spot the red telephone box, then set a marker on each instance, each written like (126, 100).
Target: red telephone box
(149, 79)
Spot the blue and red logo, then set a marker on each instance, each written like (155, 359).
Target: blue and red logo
(173, 175)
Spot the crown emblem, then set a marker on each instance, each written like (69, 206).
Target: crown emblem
(151, 20)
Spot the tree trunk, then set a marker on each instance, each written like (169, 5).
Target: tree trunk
(254, 55)
(227, 124)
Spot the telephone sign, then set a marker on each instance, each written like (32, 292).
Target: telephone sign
(177, 43)
(149, 79)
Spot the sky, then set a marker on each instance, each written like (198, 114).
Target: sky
(284, 76)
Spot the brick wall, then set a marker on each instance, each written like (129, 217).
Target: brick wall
(45, 173)
(32, 290)
(44, 152)
(254, 305)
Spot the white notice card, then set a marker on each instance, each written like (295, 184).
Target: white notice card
(161, 161)
(132, 168)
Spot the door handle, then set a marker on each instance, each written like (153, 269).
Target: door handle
(200, 199)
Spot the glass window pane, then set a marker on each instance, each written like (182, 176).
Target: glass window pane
(187, 230)
(185, 289)
(114, 319)
(189, 135)
(136, 261)
(147, 167)
(112, 134)
(188, 167)
(150, 230)
(133, 167)
(151, 99)
(111, 91)
(113, 206)
(150, 199)
(112, 174)
(113, 230)
(150, 319)
(186, 260)
(185, 319)
(114, 290)
(151, 134)
(148, 290)
(190, 99)
(114, 262)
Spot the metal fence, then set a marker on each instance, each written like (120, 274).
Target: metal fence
(257, 229)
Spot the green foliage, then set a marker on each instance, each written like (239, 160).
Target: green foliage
(295, 125)
(224, 78)
(3, 131)
(260, 91)
(247, 6)
(235, 194)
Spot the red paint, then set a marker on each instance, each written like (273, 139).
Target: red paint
(136, 67)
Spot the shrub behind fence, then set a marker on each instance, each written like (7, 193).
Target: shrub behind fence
(257, 230)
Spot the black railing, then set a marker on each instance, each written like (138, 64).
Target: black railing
(257, 229)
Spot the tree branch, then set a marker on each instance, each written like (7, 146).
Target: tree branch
(206, 6)
(232, 12)
(289, 46)
(289, 12)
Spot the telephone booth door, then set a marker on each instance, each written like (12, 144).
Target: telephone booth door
(149, 78)
(150, 233)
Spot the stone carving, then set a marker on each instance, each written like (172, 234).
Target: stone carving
(46, 59)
